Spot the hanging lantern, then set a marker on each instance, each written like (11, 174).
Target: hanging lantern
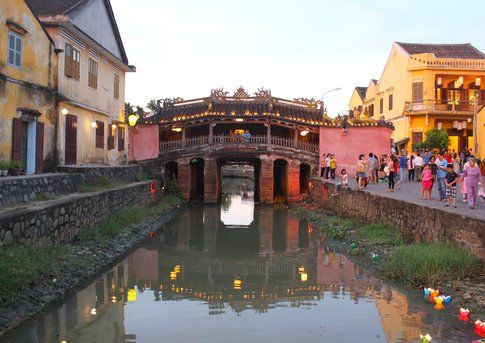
(237, 283)
(440, 125)
(455, 124)
(463, 124)
(460, 127)
(132, 119)
(65, 111)
(131, 295)
(304, 277)
(176, 129)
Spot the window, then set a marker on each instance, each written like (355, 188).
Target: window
(418, 92)
(93, 74)
(121, 139)
(417, 137)
(14, 58)
(111, 138)
(99, 134)
(371, 110)
(390, 102)
(117, 86)
(72, 64)
(381, 106)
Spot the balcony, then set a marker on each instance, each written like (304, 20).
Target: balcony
(237, 141)
(465, 108)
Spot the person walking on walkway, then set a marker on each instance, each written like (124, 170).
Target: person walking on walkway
(451, 180)
(327, 165)
(389, 170)
(473, 180)
(411, 167)
(361, 175)
(441, 175)
(373, 163)
(426, 182)
(322, 167)
(333, 166)
(403, 161)
(418, 166)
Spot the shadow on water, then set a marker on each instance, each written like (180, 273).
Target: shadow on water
(240, 272)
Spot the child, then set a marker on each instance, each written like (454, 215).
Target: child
(344, 181)
(333, 166)
(450, 180)
(427, 181)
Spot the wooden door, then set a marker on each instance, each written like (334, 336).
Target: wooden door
(24, 134)
(71, 139)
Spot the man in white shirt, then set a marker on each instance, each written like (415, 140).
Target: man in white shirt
(418, 166)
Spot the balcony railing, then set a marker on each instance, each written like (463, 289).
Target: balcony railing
(441, 106)
(238, 140)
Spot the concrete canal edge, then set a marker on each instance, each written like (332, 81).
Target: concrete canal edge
(74, 212)
(424, 224)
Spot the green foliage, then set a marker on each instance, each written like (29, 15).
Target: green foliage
(4, 165)
(15, 165)
(336, 232)
(128, 108)
(139, 111)
(152, 105)
(142, 176)
(435, 139)
(126, 220)
(428, 264)
(21, 266)
(380, 233)
(171, 186)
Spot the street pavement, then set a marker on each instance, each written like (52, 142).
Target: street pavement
(410, 191)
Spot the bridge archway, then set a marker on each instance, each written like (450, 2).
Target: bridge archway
(280, 180)
(197, 179)
(255, 163)
(171, 170)
(305, 170)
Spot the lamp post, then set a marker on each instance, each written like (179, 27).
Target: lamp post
(324, 93)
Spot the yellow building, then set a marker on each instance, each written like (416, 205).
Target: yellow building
(28, 64)
(356, 103)
(481, 133)
(91, 80)
(425, 86)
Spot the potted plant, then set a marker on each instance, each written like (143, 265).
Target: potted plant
(15, 167)
(4, 168)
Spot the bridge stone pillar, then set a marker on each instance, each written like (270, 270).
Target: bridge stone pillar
(266, 181)
(211, 182)
(183, 178)
(294, 181)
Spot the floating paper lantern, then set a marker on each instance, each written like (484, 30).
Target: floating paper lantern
(433, 295)
(446, 299)
(131, 295)
(480, 328)
(439, 303)
(428, 291)
(425, 339)
(464, 314)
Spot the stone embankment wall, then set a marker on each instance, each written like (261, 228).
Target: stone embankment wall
(58, 221)
(23, 189)
(418, 221)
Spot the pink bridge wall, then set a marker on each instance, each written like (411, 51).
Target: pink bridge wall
(143, 142)
(348, 146)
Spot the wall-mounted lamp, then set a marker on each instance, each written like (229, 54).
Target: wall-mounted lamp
(239, 120)
(94, 125)
(132, 119)
(176, 129)
(65, 111)
(478, 82)
(439, 81)
(304, 132)
(113, 126)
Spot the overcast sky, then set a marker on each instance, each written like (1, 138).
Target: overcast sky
(295, 48)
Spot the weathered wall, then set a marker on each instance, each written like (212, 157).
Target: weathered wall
(423, 223)
(481, 133)
(61, 220)
(143, 142)
(357, 140)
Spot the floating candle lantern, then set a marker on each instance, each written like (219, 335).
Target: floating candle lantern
(433, 295)
(464, 314)
(446, 299)
(427, 291)
(425, 339)
(439, 303)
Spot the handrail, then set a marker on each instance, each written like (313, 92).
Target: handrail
(238, 140)
(441, 105)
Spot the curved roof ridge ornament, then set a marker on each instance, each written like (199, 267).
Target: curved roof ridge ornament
(241, 93)
(263, 93)
(169, 102)
(219, 93)
(310, 103)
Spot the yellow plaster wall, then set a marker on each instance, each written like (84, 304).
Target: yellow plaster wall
(33, 85)
(355, 101)
(481, 133)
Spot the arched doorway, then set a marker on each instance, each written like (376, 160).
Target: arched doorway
(304, 177)
(280, 180)
(197, 179)
(171, 170)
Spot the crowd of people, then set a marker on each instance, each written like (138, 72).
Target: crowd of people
(450, 172)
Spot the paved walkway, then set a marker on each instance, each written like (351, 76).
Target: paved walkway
(410, 192)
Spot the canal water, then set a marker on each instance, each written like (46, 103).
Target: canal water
(240, 272)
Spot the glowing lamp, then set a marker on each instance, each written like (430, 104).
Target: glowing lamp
(237, 283)
(131, 295)
(478, 82)
(464, 314)
(304, 133)
(113, 126)
(93, 311)
(463, 124)
(301, 270)
(173, 276)
(65, 111)
(439, 81)
(239, 120)
(94, 125)
(176, 129)
(438, 303)
(113, 299)
(304, 277)
(177, 268)
(132, 119)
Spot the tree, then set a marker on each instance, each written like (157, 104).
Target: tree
(436, 139)
(128, 108)
(152, 105)
(139, 111)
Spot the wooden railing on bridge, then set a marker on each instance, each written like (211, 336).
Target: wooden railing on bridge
(238, 140)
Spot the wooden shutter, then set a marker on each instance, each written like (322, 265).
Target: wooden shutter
(71, 139)
(16, 136)
(100, 134)
(39, 148)
(68, 61)
(77, 63)
(417, 137)
(116, 86)
(111, 139)
(121, 139)
(417, 92)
